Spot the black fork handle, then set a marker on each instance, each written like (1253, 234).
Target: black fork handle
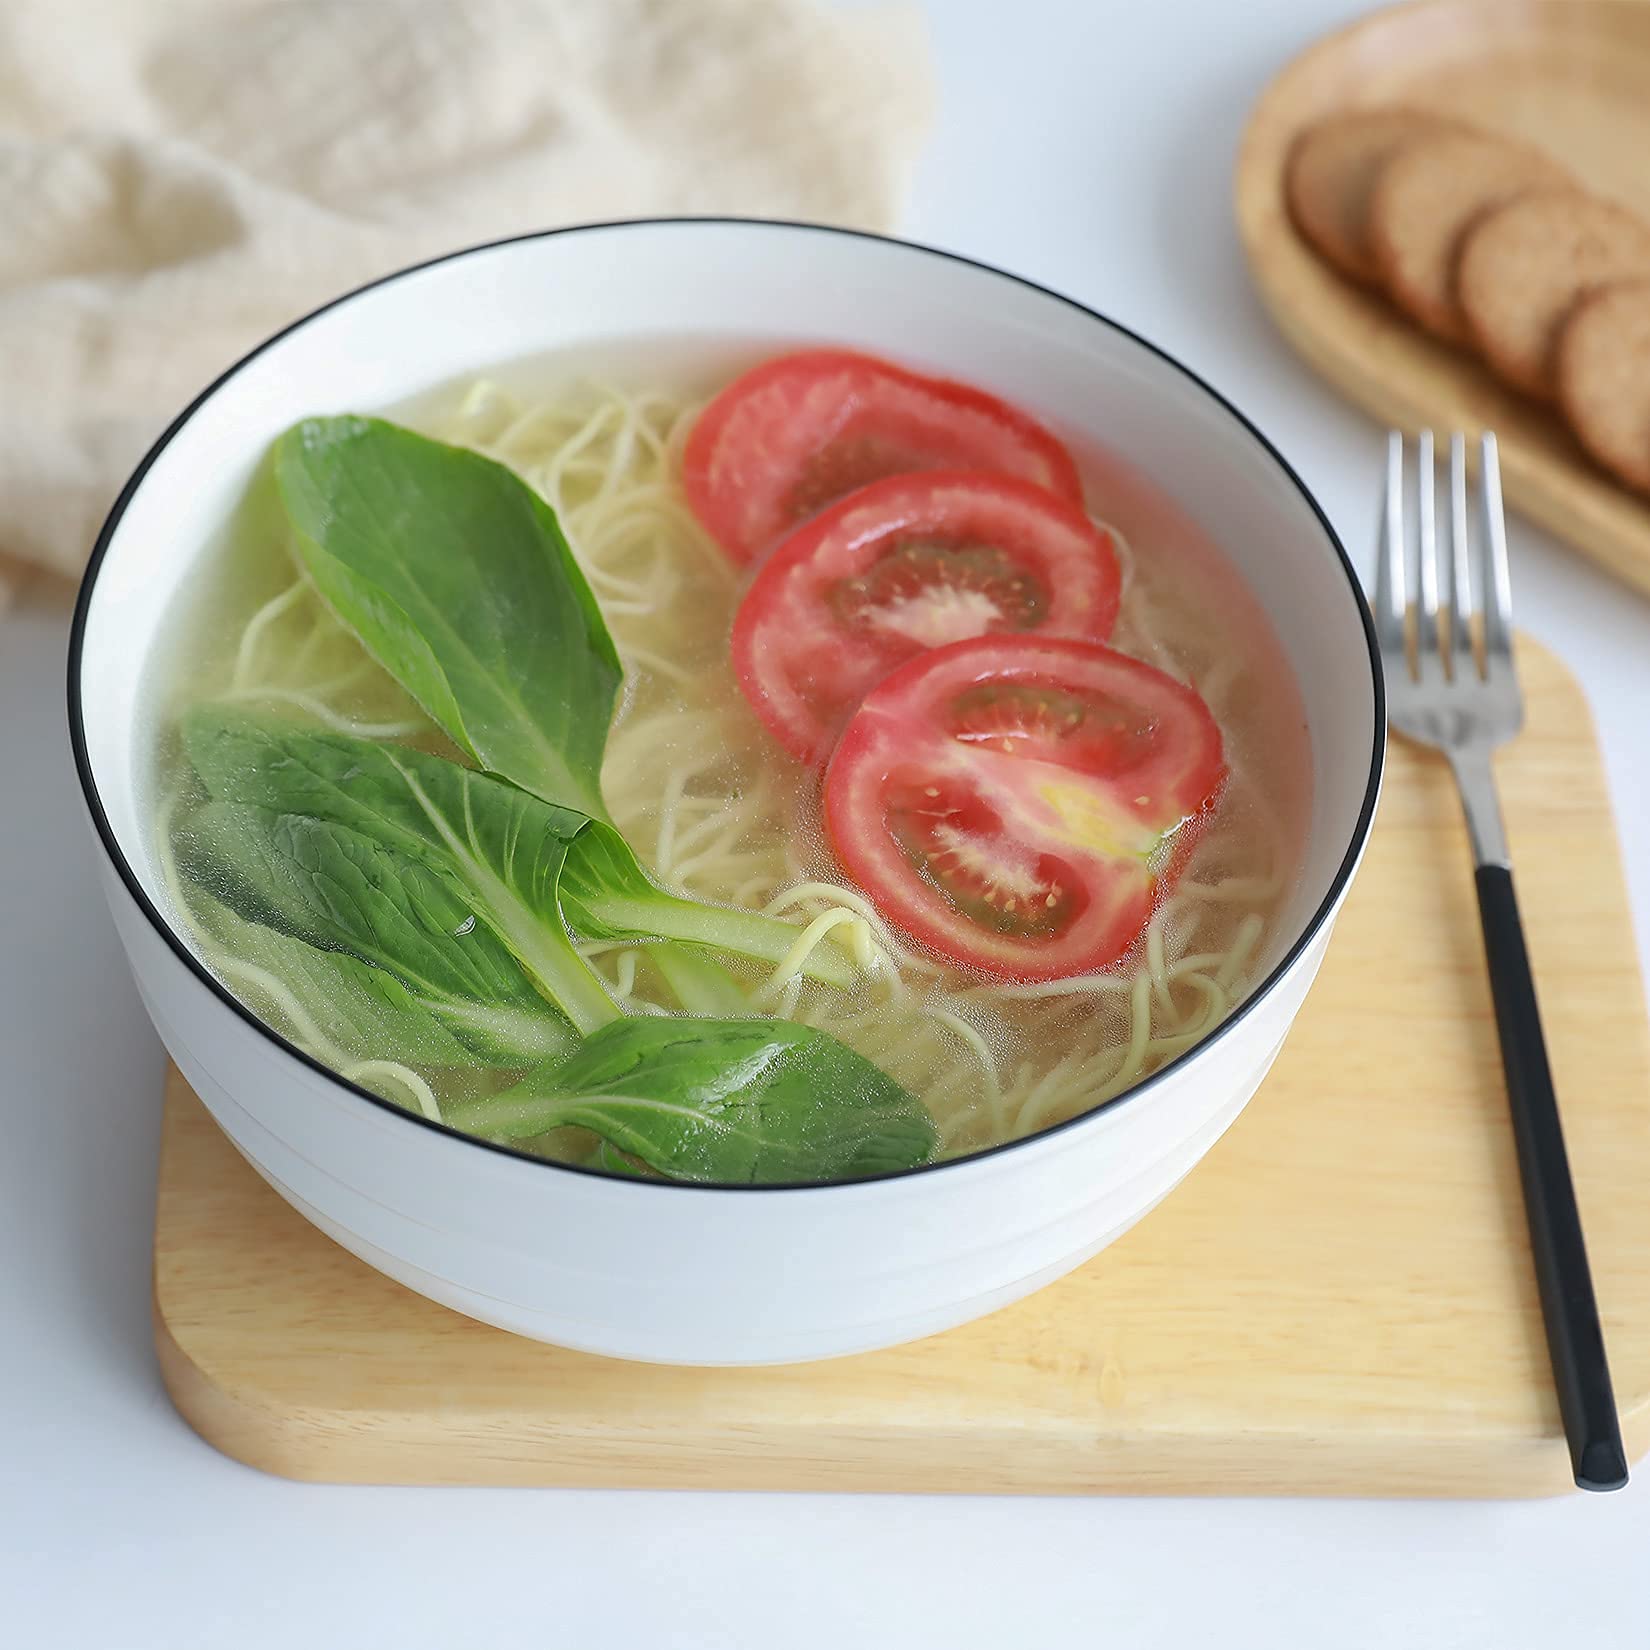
(1575, 1342)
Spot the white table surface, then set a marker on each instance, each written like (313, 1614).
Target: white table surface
(1087, 145)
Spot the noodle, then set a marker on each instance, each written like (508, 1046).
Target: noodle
(689, 772)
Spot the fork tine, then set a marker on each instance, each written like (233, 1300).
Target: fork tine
(1462, 662)
(1497, 575)
(1390, 598)
(1426, 620)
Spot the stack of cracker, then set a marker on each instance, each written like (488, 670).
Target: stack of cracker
(1490, 244)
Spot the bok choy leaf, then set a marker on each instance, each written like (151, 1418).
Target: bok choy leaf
(738, 1102)
(340, 890)
(552, 865)
(606, 894)
(328, 997)
(456, 577)
(504, 848)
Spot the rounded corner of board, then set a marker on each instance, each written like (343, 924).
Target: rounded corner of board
(251, 1433)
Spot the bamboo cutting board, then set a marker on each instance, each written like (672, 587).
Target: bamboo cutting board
(1337, 1301)
(1571, 77)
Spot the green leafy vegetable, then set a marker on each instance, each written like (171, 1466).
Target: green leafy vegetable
(338, 889)
(735, 1102)
(327, 997)
(610, 1161)
(555, 865)
(605, 894)
(701, 985)
(501, 846)
(455, 575)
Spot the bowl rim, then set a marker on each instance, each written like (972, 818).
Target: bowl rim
(164, 927)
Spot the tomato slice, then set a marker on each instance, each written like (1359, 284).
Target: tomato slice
(795, 434)
(901, 566)
(1014, 804)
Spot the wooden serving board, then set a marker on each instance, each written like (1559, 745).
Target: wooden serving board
(1337, 1301)
(1570, 76)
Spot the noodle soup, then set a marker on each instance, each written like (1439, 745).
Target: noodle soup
(979, 1047)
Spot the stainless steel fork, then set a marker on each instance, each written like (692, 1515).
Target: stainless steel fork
(1458, 691)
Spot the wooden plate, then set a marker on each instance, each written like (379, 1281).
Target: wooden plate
(1571, 76)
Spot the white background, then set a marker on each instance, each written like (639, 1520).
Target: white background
(1088, 145)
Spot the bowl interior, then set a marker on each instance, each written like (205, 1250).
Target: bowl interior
(758, 282)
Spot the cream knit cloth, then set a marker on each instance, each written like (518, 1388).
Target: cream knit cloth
(179, 178)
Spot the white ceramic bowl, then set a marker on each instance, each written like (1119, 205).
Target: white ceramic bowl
(687, 1274)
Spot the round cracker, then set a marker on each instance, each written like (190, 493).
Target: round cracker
(1331, 170)
(1525, 264)
(1603, 369)
(1425, 198)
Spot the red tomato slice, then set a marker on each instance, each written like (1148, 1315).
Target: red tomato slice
(795, 434)
(1013, 803)
(901, 566)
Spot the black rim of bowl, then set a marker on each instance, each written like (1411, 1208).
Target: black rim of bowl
(165, 928)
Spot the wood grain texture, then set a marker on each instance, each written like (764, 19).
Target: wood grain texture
(1571, 77)
(1337, 1301)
